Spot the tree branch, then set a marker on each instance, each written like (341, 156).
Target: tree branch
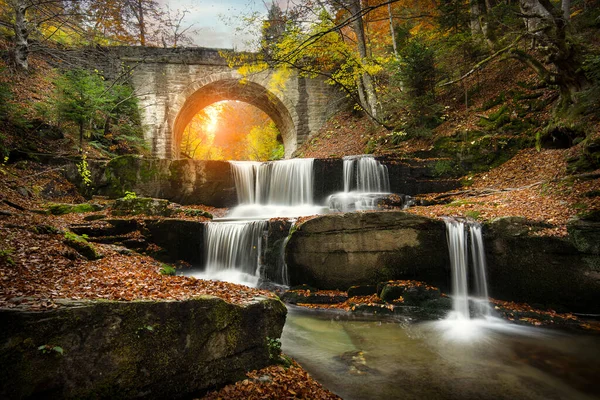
(483, 62)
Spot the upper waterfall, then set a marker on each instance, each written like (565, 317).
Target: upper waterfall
(274, 189)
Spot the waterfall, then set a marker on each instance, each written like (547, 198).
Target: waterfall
(479, 269)
(244, 179)
(366, 181)
(286, 182)
(458, 246)
(366, 175)
(233, 250)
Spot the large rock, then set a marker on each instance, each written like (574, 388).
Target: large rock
(182, 239)
(148, 349)
(547, 270)
(141, 205)
(584, 232)
(180, 181)
(343, 250)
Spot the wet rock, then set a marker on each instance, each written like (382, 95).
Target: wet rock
(343, 250)
(307, 297)
(365, 290)
(182, 239)
(526, 267)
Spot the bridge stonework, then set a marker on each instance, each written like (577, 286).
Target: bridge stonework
(174, 84)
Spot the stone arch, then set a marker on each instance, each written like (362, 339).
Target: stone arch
(230, 86)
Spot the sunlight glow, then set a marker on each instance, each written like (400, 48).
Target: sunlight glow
(212, 112)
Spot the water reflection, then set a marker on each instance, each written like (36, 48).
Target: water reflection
(361, 358)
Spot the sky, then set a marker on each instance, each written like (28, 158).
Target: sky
(215, 22)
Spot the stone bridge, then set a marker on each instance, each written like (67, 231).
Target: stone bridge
(174, 84)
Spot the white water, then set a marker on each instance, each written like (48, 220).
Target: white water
(471, 315)
(233, 244)
(232, 251)
(280, 189)
(281, 183)
(366, 181)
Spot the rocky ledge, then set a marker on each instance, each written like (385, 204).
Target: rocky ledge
(148, 349)
(342, 250)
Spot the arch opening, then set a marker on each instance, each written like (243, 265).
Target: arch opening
(231, 130)
(234, 91)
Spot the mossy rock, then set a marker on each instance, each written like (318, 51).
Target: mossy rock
(192, 212)
(517, 226)
(94, 217)
(82, 246)
(141, 205)
(584, 233)
(589, 160)
(62, 209)
(391, 292)
(363, 290)
(419, 295)
(46, 229)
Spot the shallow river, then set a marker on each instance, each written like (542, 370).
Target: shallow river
(362, 358)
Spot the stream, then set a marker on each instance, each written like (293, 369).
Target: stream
(366, 358)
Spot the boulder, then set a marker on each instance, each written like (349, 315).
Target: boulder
(584, 233)
(138, 349)
(182, 239)
(141, 206)
(365, 290)
(180, 181)
(343, 250)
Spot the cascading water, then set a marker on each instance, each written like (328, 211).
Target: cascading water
(458, 248)
(471, 313)
(274, 189)
(479, 270)
(366, 181)
(233, 250)
(233, 245)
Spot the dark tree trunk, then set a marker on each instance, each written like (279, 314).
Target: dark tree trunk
(548, 27)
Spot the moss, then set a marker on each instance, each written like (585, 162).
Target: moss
(82, 246)
(121, 173)
(391, 292)
(46, 229)
(141, 205)
(166, 269)
(478, 151)
(62, 209)
(192, 212)
(493, 102)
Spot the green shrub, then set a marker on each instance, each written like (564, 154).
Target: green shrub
(166, 269)
(5, 256)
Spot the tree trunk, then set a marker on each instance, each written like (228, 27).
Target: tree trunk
(137, 7)
(81, 130)
(475, 14)
(392, 32)
(21, 50)
(566, 9)
(549, 27)
(370, 97)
